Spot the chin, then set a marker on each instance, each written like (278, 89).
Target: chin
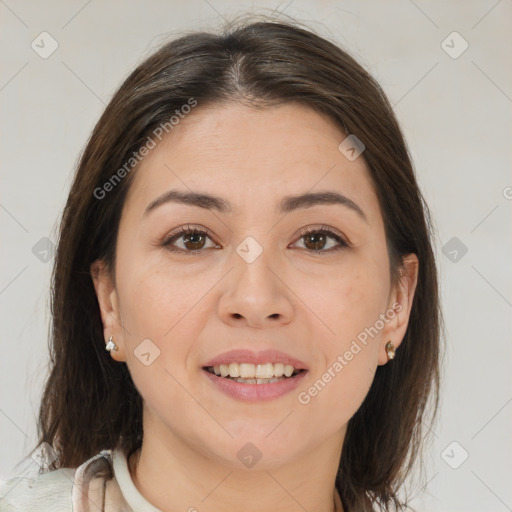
(255, 450)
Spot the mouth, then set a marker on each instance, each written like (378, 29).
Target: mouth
(251, 382)
(249, 373)
(254, 376)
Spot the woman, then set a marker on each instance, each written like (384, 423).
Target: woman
(245, 302)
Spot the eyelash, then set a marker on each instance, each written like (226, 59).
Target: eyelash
(187, 230)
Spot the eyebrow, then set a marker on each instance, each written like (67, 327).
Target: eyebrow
(291, 203)
(288, 204)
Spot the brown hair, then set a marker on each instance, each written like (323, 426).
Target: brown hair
(90, 402)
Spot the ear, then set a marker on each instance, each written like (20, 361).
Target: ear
(109, 307)
(399, 306)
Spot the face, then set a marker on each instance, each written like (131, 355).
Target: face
(252, 277)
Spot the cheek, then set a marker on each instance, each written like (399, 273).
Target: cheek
(168, 307)
(356, 301)
(338, 386)
(154, 299)
(335, 395)
(160, 320)
(348, 300)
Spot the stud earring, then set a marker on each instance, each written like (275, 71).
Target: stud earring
(110, 345)
(390, 349)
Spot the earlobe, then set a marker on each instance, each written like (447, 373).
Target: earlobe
(109, 307)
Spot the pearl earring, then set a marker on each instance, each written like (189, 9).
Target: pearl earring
(110, 345)
(390, 349)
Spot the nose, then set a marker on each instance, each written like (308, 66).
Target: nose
(255, 296)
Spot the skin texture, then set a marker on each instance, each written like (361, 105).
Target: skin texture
(193, 307)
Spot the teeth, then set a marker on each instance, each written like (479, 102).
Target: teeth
(234, 370)
(265, 371)
(260, 381)
(278, 369)
(246, 371)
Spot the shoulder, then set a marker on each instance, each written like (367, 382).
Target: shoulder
(42, 492)
(64, 489)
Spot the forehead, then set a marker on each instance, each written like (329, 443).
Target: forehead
(252, 157)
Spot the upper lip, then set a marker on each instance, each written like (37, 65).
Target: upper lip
(261, 357)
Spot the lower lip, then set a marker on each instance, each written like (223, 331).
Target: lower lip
(255, 392)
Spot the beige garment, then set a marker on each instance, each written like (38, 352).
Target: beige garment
(101, 484)
(95, 489)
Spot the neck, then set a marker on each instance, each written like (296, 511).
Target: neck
(172, 476)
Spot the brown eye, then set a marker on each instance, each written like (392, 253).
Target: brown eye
(321, 240)
(315, 242)
(190, 240)
(194, 241)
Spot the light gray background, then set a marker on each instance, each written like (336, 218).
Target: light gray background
(456, 115)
